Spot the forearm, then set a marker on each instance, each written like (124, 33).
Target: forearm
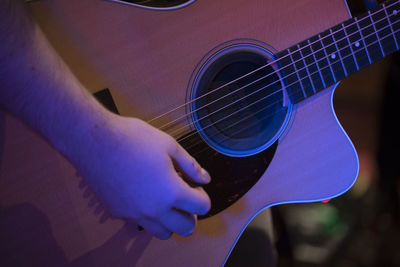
(129, 164)
(37, 87)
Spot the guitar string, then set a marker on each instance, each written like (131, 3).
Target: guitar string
(269, 114)
(232, 125)
(273, 73)
(207, 147)
(187, 115)
(279, 81)
(277, 60)
(300, 80)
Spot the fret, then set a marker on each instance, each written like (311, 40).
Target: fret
(327, 58)
(351, 46)
(339, 56)
(344, 49)
(394, 17)
(319, 84)
(311, 65)
(332, 54)
(391, 28)
(301, 70)
(322, 61)
(376, 32)
(370, 38)
(290, 77)
(384, 31)
(306, 69)
(357, 44)
(362, 38)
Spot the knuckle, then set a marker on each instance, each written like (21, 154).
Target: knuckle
(172, 145)
(195, 166)
(200, 172)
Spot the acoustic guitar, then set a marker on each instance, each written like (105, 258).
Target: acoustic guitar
(245, 86)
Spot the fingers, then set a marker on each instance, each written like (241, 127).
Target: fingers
(179, 222)
(193, 200)
(185, 202)
(188, 165)
(156, 229)
(174, 221)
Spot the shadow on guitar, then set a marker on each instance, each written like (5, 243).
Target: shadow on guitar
(26, 239)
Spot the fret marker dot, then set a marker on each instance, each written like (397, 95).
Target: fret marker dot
(395, 12)
(357, 44)
(333, 56)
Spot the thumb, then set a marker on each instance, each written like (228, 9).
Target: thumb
(188, 166)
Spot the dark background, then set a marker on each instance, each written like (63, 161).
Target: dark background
(361, 227)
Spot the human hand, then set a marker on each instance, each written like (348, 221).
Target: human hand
(128, 163)
(133, 168)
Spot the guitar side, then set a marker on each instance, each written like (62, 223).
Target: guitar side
(314, 160)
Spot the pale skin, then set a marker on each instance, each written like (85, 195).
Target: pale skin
(129, 164)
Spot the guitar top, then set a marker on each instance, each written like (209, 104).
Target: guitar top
(245, 86)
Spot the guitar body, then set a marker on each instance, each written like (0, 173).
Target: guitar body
(148, 59)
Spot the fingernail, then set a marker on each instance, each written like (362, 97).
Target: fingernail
(206, 177)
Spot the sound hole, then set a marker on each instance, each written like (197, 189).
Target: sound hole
(239, 107)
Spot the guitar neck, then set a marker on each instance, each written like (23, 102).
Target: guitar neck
(326, 58)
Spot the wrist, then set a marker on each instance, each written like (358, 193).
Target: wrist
(87, 136)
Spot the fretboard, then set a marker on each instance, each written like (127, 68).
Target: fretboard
(334, 54)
